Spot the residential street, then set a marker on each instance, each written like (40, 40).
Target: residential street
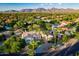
(66, 50)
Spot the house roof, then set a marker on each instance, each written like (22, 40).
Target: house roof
(24, 34)
(64, 28)
(31, 33)
(63, 23)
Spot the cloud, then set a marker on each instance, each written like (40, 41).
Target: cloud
(46, 4)
(50, 4)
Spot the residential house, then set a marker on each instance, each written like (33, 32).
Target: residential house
(65, 29)
(64, 23)
(48, 20)
(18, 32)
(38, 17)
(6, 34)
(54, 26)
(7, 27)
(67, 33)
(29, 36)
(43, 18)
(50, 37)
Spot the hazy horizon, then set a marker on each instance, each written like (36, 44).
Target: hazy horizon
(18, 6)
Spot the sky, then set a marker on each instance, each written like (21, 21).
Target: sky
(18, 6)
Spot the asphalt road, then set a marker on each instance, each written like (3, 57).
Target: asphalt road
(69, 51)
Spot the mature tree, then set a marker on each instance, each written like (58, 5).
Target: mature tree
(65, 38)
(13, 45)
(77, 27)
(1, 37)
(32, 46)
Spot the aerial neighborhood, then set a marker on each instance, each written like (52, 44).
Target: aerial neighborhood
(39, 32)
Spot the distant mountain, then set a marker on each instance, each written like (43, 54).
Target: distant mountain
(52, 10)
(26, 10)
(11, 11)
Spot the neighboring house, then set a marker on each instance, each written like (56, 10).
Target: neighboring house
(38, 17)
(51, 34)
(26, 37)
(64, 23)
(18, 32)
(60, 35)
(65, 29)
(67, 33)
(29, 36)
(77, 20)
(43, 18)
(6, 34)
(7, 27)
(36, 37)
(54, 26)
(43, 48)
(47, 20)
(50, 37)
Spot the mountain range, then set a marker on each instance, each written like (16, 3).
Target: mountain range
(52, 10)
